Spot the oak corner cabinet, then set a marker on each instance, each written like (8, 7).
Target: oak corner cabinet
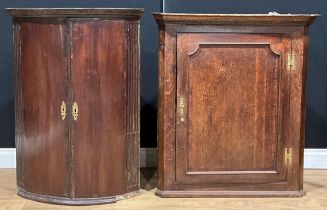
(231, 104)
(77, 104)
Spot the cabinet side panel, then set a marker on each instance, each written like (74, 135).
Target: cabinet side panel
(297, 107)
(41, 89)
(166, 107)
(132, 62)
(18, 110)
(98, 135)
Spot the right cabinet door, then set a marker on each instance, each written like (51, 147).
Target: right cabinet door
(98, 134)
(232, 110)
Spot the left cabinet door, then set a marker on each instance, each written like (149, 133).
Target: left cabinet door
(41, 103)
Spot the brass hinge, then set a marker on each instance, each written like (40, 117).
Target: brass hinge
(288, 155)
(290, 62)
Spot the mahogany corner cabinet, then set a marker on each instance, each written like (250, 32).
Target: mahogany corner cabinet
(77, 104)
(231, 104)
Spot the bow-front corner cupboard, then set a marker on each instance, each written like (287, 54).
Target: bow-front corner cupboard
(77, 104)
(231, 104)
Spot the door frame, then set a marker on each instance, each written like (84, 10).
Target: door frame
(231, 177)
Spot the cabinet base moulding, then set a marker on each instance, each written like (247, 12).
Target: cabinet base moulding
(227, 194)
(74, 201)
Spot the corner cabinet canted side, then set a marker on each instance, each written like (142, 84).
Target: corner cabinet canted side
(132, 30)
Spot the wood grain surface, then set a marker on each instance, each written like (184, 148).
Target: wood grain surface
(230, 84)
(99, 88)
(230, 104)
(41, 84)
(90, 65)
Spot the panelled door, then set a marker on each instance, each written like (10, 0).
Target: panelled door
(98, 99)
(232, 105)
(42, 93)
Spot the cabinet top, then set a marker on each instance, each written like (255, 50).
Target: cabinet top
(124, 13)
(235, 19)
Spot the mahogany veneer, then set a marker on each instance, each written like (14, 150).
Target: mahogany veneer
(77, 104)
(231, 104)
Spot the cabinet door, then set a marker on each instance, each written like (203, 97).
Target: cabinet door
(233, 104)
(99, 87)
(41, 89)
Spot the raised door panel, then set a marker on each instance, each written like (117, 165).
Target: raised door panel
(41, 87)
(99, 89)
(231, 94)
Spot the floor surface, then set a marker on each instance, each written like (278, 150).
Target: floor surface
(315, 184)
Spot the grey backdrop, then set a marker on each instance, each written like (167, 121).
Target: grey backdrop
(316, 124)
